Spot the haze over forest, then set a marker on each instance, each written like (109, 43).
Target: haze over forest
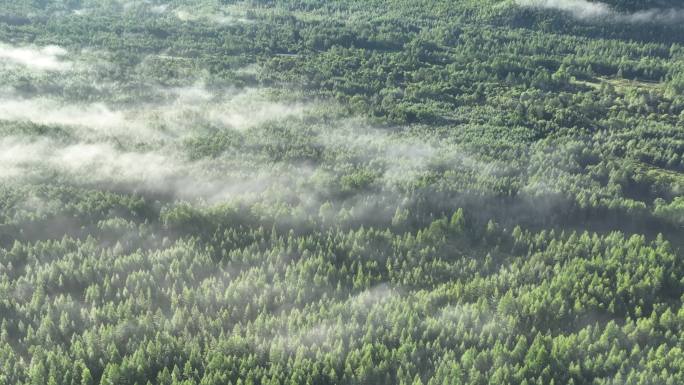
(414, 192)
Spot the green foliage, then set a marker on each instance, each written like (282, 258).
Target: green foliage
(339, 192)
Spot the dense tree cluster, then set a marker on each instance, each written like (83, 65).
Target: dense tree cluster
(264, 192)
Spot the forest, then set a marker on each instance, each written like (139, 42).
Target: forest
(410, 192)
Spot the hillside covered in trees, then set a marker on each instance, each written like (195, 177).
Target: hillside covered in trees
(414, 192)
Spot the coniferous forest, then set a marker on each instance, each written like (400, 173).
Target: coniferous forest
(414, 192)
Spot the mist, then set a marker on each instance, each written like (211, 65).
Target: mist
(179, 112)
(598, 11)
(156, 172)
(46, 58)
